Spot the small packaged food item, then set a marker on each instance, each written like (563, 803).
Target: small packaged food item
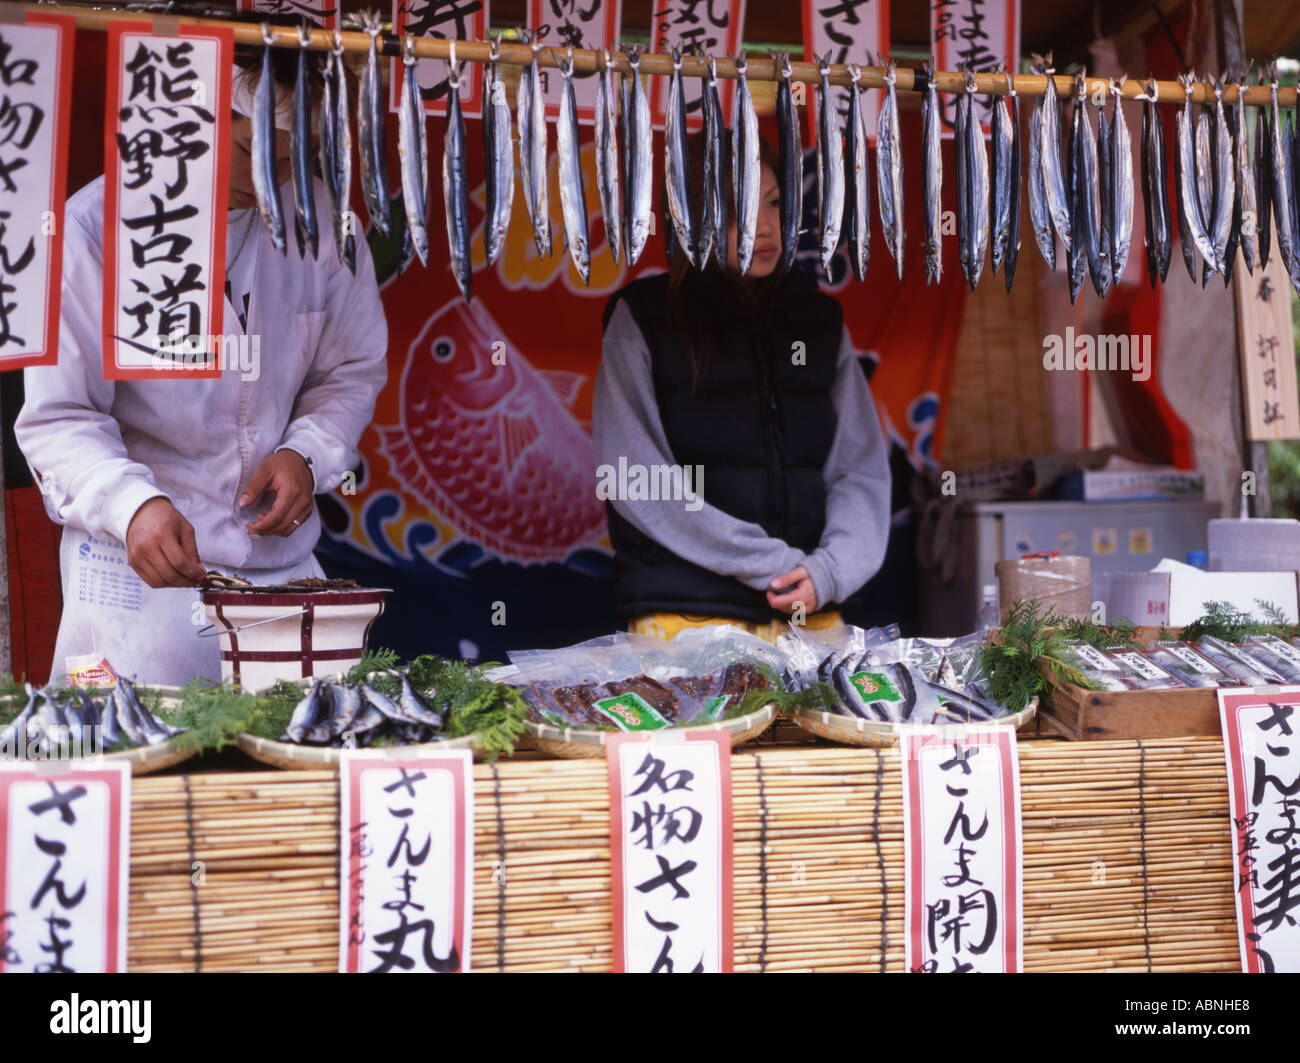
(1106, 672)
(1278, 654)
(1144, 673)
(1189, 665)
(1226, 656)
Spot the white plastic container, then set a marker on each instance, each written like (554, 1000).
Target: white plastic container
(269, 636)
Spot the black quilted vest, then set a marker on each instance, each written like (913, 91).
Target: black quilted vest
(759, 424)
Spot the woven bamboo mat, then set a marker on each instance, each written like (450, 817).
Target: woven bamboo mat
(1127, 863)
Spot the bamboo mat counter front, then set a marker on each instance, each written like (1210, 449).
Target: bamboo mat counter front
(1127, 864)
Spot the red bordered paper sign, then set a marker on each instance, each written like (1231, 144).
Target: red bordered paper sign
(716, 29)
(848, 33)
(983, 33)
(1261, 741)
(590, 24)
(407, 862)
(962, 847)
(35, 100)
(166, 176)
(461, 20)
(671, 852)
(65, 845)
(322, 13)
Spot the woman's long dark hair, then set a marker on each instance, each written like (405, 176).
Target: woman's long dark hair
(692, 305)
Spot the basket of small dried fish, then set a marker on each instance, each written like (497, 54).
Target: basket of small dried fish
(117, 723)
(430, 704)
(877, 685)
(717, 678)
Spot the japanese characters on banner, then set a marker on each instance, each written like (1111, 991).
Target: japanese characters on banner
(407, 876)
(850, 31)
(583, 24)
(166, 166)
(322, 13)
(962, 848)
(670, 850)
(35, 98)
(64, 851)
(709, 27)
(982, 33)
(463, 20)
(1261, 741)
(1267, 343)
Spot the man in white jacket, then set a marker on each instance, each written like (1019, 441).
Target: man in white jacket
(156, 481)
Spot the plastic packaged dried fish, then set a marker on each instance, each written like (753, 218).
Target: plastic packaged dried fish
(1108, 674)
(1278, 654)
(1227, 657)
(1188, 664)
(1145, 673)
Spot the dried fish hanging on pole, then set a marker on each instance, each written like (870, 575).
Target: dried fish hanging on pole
(1013, 235)
(857, 178)
(638, 148)
(713, 216)
(1040, 215)
(370, 129)
(607, 158)
(1158, 229)
(498, 158)
(334, 133)
(573, 194)
(1223, 176)
(746, 168)
(830, 168)
(1053, 169)
(1105, 192)
(977, 196)
(1087, 191)
(1280, 178)
(266, 181)
(1205, 186)
(1076, 187)
(531, 112)
(1191, 221)
(677, 165)
(791, 176)
(1264, 183)
(1121, 184)
(455, 182)
(889, 170)
(1003, 177)
(1246, 221)
(413, 154)
(304, 193)
(932, 179)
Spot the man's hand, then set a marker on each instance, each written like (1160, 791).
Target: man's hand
(160, 546)
(286, 475)
(800, 590)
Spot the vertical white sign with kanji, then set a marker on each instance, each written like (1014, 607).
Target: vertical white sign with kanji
(166, 172)
(406, 877)
(671, 851)
(962, 849)
(35, 102)
(715, 28)
(65, 834)
(1267, 342)
(984, 34)
(458, 20)
(849, 31)
(1261, 741)
(321, 13)
(583, 24)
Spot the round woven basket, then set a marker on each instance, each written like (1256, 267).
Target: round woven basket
(145, 760)
(573, 742)
(314, 758)
(855, 731)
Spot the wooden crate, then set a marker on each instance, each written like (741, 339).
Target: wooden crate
(1097, 715)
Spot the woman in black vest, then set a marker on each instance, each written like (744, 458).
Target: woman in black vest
(736, 443)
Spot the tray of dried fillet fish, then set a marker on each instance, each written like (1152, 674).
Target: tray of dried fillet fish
(119, 724)
(576, 742)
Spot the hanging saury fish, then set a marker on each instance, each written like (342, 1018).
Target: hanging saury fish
(573, 194)
(413, 154)
(266, 181)
(932, 178)
(455, 182)
(791, 177)
(498, 158)
(304, 192)
(370, 127)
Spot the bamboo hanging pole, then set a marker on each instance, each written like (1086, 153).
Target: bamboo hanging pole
(588, 60)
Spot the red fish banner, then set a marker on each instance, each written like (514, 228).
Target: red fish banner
(167, 168)
(35, 103)
(1261, 741)
(855, 32)
(671, 852)
(461, 20)
(322, 13)
(65, 833)
(713, 28)
(585, 24)
(981, 34)
(407, 874)
(962, 849)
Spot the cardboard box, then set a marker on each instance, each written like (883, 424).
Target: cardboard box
(1175, 594)
(1254, 545)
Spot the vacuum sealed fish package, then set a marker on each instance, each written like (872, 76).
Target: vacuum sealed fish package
(631, 682)
(1104, 671)
(1250, 672)
(1277, 653)
(1143, 672)
(1191, 667)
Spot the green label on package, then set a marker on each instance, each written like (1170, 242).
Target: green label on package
(629, 712)
(714, 706)
(873, 686)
